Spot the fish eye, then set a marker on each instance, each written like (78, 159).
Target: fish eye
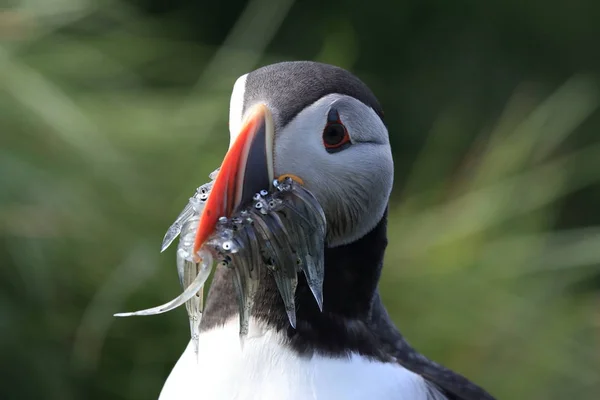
(335, 134)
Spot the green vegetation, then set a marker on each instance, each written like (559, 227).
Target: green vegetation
(112, 115)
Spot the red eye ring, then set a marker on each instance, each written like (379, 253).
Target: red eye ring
(335, 135)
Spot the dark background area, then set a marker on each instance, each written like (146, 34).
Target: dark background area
(113, 112)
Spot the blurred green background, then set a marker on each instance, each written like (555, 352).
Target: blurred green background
(113, 112)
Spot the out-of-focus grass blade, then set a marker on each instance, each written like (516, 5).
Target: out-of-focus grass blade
(506, 182)
(253, 31)
(539, 134)
(484, 208)
(49, 103)
(126, 278)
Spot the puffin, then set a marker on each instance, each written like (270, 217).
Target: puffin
(327, 133)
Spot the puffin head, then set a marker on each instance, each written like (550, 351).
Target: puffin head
(319, 125)
(322, 127)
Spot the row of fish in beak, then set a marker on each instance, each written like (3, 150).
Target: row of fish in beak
(280, 234)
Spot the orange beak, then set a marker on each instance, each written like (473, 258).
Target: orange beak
(247, 169)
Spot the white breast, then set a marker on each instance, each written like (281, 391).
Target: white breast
(267, 370)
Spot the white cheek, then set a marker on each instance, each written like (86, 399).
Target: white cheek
(298, 151)
(363, 182)
(353, 186)
(359, 178)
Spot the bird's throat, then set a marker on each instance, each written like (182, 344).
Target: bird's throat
(352, 272)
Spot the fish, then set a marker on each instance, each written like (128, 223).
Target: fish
(282, 231)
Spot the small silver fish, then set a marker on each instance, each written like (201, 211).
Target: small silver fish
(282, 231)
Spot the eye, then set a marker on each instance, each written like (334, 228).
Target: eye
(335, 134)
